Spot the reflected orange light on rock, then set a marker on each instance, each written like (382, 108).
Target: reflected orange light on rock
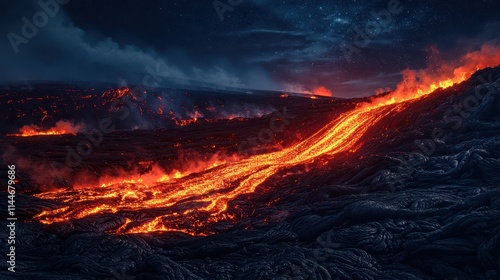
(209, 191)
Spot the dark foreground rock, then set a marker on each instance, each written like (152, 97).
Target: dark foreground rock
(395, 210)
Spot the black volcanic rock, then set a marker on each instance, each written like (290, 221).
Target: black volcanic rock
(389, 211)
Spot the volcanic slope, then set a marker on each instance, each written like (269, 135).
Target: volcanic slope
(419, 199)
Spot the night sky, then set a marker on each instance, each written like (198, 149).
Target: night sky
(258, 44)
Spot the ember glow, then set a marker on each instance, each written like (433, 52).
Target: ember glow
(191, 202)
(115, 94)
(323, 91)
(60, 128)
(193, 118)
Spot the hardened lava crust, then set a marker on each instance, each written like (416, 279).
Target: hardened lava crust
(419, 197)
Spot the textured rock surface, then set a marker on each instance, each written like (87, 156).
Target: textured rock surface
(394, 212)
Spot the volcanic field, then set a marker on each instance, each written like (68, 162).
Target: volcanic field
(124, 181)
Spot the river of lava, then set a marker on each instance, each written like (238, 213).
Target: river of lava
(178, 203)
(33, 132)
(60, 128)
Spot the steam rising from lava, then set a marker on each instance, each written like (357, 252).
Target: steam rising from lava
(319, 90)
(418, 83)
(202, 198)
(323, 91)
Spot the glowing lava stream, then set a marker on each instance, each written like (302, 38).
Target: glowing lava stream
(60, 128)
(211, 190)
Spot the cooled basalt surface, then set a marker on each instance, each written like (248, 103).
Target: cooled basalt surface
(392, 209)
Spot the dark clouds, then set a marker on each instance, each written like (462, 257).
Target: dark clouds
(260, 44)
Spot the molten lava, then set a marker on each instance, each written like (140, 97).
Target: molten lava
(191, 202)
(323, 91)
(60, 128)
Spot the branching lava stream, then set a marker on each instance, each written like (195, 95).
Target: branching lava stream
(210, 191)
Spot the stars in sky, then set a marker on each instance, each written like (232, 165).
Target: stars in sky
(280, 40)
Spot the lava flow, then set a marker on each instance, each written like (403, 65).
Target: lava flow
(60, 128)
(179, 201)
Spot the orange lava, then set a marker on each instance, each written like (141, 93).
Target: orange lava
(190, 203)
(323, 91)
(61, 128)
(194, 116)
(115, 94)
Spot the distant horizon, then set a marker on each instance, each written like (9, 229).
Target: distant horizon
(201, 87)
(105, 83)
(346, 49)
